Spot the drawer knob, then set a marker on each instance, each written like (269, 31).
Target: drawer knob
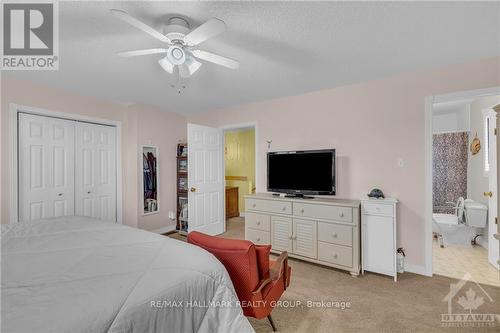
(283, 209)
(302, 210)
(335, 255)
(335, 235)
(341, 214)
(294, 237)
(254, 205)
(258, 239)
(258, 222)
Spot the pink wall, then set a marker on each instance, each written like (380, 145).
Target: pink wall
(371, 125)
(139, 124)
(164, 130)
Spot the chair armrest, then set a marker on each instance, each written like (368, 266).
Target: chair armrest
(275, 272)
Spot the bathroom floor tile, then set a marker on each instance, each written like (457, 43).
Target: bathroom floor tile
(456, 261)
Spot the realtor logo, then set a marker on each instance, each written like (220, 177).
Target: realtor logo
(470, 296)
(30, 36)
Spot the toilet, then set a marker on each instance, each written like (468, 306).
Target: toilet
(463, 227)
(476, 214)
(476, 217)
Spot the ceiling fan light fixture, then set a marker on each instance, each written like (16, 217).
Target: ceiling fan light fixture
(166, 65)
(192, 64)
(176, 55)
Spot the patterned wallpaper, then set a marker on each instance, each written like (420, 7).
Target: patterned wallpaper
(449, 174)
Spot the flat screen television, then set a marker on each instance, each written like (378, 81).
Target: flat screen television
(301, 172)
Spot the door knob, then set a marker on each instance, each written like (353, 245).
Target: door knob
(88, 192)
(60, 194)
(488, 194)
(193, 189)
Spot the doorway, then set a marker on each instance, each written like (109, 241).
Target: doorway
(464, 187)
(239, 174)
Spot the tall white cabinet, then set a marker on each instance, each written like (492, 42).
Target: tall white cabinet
(65, 167)
(378, 229)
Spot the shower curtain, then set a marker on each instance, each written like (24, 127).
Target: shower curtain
(449, 174)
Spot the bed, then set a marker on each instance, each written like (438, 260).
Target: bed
(76, 274)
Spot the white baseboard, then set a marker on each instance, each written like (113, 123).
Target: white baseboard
(163, 230)
(416, 269)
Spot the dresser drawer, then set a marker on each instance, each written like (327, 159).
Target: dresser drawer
(258, 221)
(258, 236)
(335, 234)
(335, 254)
(323, 212)
(271, 206)
(374, 208)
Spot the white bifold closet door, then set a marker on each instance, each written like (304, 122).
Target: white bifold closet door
(46, 167)
(95, 171)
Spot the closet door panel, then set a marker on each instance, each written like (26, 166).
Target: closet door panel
(46, 167)
(96, 171)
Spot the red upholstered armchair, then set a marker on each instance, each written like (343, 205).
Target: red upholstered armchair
(259, 281)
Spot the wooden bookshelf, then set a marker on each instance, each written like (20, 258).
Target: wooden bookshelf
(182, 193)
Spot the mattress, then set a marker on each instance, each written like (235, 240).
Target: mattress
(76, 274)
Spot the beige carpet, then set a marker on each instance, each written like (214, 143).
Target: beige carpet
(377, 304)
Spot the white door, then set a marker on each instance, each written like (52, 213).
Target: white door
(493, 247)
(205, 180)
(305, 238)
(95, 171)
(46, 167)
(281, 233)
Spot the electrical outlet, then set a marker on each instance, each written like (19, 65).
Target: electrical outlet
(401, 162)
(171, 215)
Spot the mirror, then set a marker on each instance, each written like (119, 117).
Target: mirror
(150, 179)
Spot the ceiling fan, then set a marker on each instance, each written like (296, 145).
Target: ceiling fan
(181, 44)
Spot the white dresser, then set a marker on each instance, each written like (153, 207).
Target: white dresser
(378, 241)
(320, 230)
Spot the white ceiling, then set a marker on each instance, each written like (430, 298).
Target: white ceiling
(285, 48)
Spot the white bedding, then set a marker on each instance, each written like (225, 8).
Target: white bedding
(80, 275)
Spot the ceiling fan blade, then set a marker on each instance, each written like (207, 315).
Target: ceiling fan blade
(192, 65)
(184, 71)
(207, 30)
(216, 59)
(141, 52)
(139, 25)
(166, 65)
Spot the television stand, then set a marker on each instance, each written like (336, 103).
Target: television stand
(298, 196)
